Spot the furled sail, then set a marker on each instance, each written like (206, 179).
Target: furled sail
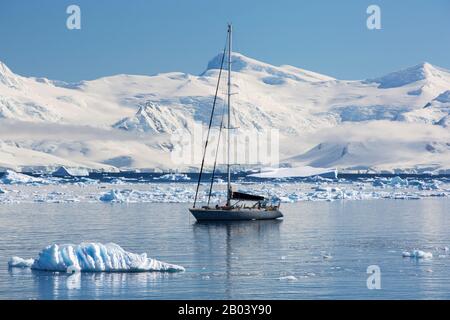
(246, 196)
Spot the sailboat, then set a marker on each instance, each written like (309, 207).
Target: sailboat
(239, 205)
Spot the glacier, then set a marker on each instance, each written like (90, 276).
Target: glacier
(92, 257)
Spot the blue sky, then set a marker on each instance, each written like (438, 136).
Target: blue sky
(150, 36)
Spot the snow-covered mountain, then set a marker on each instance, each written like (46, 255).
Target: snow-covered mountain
(397, 121)
(152, 118)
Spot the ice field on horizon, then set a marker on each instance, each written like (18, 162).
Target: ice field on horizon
(21, 188)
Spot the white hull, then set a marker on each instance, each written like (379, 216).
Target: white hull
(237, 214)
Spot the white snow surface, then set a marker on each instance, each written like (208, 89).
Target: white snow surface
(92, 257)
(397, 122)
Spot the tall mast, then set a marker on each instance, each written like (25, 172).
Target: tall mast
(229, 116)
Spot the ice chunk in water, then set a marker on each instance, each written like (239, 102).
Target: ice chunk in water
(94, 257)
(12, 177)
(418, 254)
(288, 278)
(398, 182)
(378, 183)
(115, 196)
(173, 177)
(16, 262)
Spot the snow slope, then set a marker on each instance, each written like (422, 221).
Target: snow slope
(397, 122)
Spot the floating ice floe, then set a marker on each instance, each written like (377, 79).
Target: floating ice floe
(116, 196)
(17, 262)
(117, 181)
(434, 185)
(173, 177)
(397, 182)
(12, 177)
(92, 257)
(418, 254)
(122, 191)
(155, 195)
(219, 181)
(83, 181)
(288, 278)
(379, 183)
(70, 172)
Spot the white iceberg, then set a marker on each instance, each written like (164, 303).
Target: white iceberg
(288, 278)
(398, 182)
(173, 177)
(156, 195)
(93, 257)
(379, 183)
(117, 181)
(116, 196)
(70, 172)
(17, 262)
(418, 254)
(12, 177)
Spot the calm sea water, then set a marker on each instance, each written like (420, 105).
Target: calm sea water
(244, 260)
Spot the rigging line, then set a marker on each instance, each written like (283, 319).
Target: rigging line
(215, 160)
(210, 123)
(229, 118)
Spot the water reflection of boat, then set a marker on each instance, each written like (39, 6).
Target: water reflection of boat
(238, 235)
(239, 226)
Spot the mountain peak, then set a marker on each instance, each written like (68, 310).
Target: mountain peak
(271, 74)
(428, 70)
(8, 78)
(5, 71)
(419, 72)
(424, 65)
(239, 62)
